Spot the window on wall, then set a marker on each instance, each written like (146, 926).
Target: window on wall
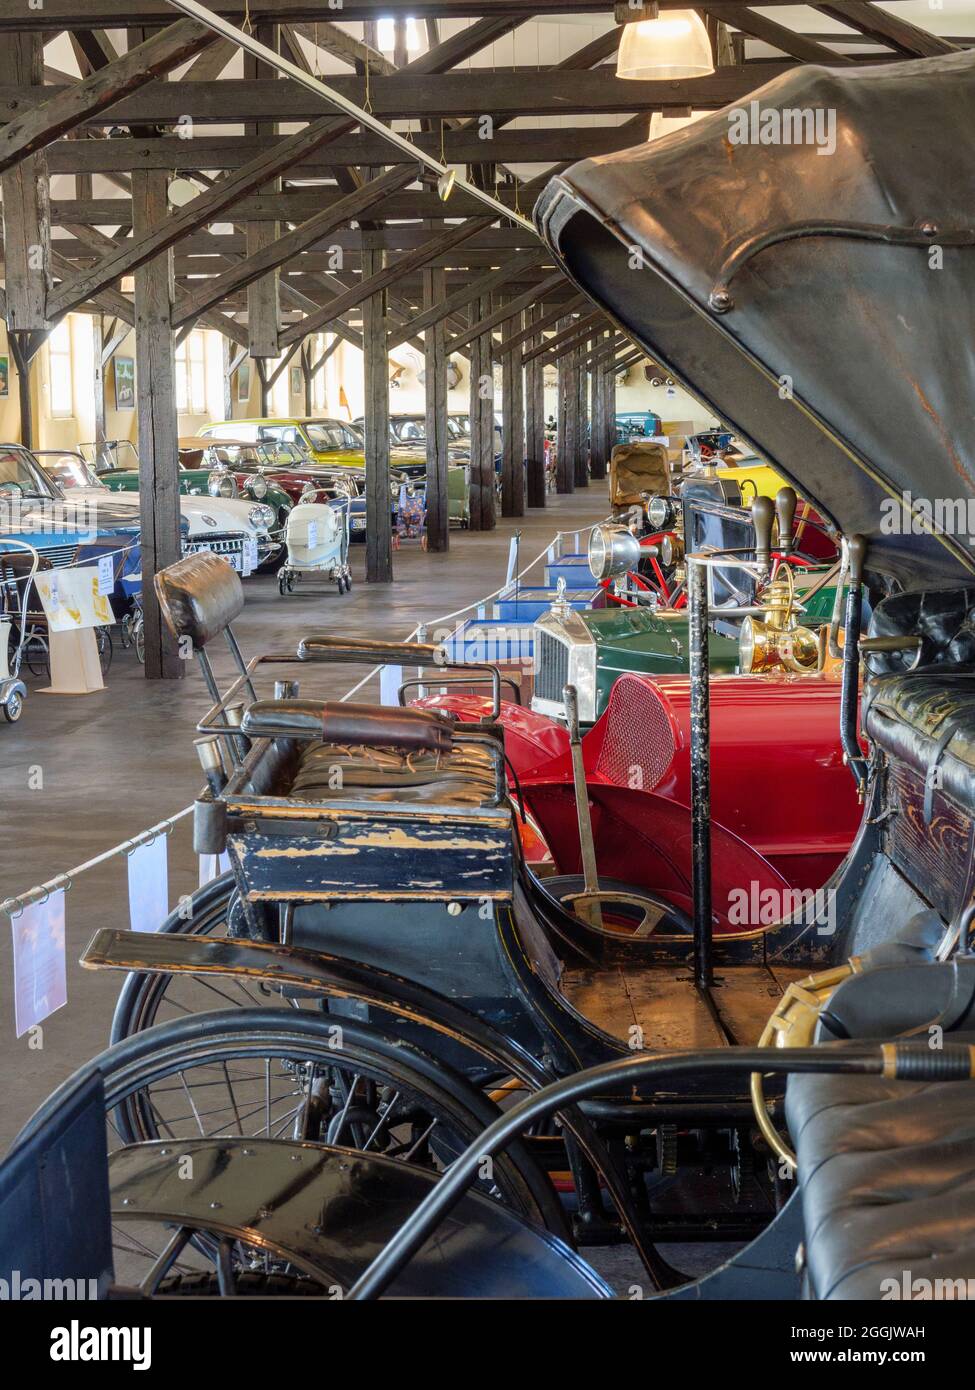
(191, 376)
(61, 370)
(281, 390)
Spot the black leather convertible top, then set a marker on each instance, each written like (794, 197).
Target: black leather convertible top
(874, 342)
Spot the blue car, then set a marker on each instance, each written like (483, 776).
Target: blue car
(636, 424)
(34, 510)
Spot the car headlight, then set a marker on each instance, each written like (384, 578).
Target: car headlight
(612, 550)
(309, 490)
(222, 485)
(260, 517)
(258, 487)
(753, 646)
(660, 513)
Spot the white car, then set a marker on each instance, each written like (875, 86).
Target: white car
(235, 528)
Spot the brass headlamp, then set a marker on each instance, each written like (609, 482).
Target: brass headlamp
(777, 639)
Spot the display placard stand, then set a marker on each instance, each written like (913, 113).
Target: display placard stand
(75, 665)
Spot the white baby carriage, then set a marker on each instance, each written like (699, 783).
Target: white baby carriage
(15, 587)
(317, 540)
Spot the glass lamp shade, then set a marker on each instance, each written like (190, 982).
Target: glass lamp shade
(674, 45)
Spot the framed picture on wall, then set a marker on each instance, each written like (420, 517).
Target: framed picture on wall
(297, 381)
(244, 381)
(4, 376)
(124, 383)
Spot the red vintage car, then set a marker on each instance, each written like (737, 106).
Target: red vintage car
(787, 803)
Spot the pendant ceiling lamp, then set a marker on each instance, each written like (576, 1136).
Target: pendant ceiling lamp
(673, 45)
(661, 124)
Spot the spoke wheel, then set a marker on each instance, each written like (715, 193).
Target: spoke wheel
(264, 1074)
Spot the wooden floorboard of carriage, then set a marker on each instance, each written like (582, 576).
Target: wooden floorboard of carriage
(664, 1004)
(82, 773)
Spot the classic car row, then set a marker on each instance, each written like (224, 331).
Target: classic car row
(485, 990)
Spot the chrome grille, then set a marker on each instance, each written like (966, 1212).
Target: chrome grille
(221, 542)
(60, 556)
(551, 666)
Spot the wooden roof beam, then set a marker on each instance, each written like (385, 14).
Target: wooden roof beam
(515, 306)
(292, 243)
(206, 208)
(887, 28)
(371, 285)
(43, 124)
(759, 26)
(472, 290)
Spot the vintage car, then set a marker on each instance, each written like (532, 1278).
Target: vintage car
(66, 528)
(438, 974)
(245, 532)
(638, 631)
(636, 424)
(328, 482)
(319, 440)
(410, 432)
(232, 469)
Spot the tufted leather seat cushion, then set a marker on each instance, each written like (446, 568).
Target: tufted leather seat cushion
(927, 716)
(328, 771)
(944, 619)
(887, 1183)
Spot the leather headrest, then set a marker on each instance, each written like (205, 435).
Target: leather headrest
(199, 596)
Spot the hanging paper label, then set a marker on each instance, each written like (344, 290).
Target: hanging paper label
(513, 545)
(106, 574)
(40, 980)
(212, 866)
(149, 885)
(312, 535)
(390, 680)
(250, 555)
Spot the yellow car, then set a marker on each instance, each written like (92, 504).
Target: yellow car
(317, 439)
(754, 479)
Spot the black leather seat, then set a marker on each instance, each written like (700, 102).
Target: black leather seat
(920, 705)
(887, 1183)
(926, 718)
(887, 1168)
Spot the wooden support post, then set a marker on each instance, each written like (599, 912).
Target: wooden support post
(482, 422)
(513, 424)
(25, 191)
(435, 381)
(23, 347)
(306, 375)
(568, 419)
(228, 378)
(582, 406)
(98, 377)
(535, 420)
(157, 422)
(379, 538)
(598, 455)
(609, 406)
(264, 294)
(264, 380)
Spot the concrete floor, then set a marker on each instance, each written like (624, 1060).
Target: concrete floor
(114, 763)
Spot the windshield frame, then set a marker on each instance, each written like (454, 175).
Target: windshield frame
(47, 489)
